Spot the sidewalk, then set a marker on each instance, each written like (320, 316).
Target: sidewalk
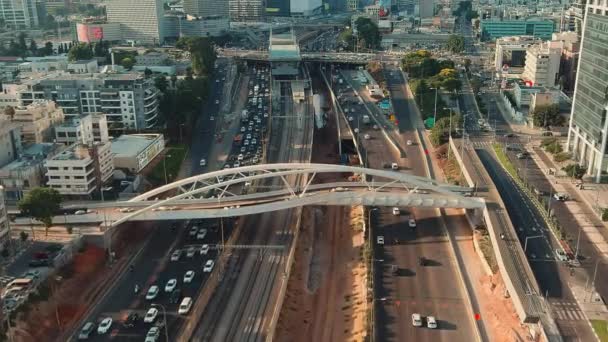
(582, 211)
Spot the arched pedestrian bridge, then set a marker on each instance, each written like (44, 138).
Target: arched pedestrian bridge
(262, 188)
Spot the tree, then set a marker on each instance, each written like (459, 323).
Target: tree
(161, 83)
(346, 39)
(455, 43)
(9, 111)
(202, 53)
(545, 116)
(147, 72)
(127, 63)
(441, 131)
(467, 64)
(451, 84)
(33, 47)
(368, 32)
(575, 171)
(41, 204)
(21, 41)
(173, 81)
(80, 51)
(47, 50)
(23, 236)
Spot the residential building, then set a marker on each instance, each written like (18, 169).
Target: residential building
(19, 14)
(206, 8)
(27, 172)
(141, 21)
(81, 169)
(305, 8)
(246, 10)
(539, 28)
(588, 130)
(37, 121)
(129, 100)
(83, 67)
(10, 142)
(92, 32)
(133, 152)
(522, 93)
(569, 59)
(84, 130)
(4, 228)
(53, 5)
(44, 65)
(542, 64)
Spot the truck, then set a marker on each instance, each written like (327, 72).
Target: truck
(244, 114)
(317, 102)
(366, 119)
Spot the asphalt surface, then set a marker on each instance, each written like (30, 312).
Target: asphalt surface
(152, 266)
(432, 289)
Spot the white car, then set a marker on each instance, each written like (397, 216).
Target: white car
(394, 166)
(104, 326)
(126, 210)
(367, 137)
(561, 256)
(185, 306)
(188, 277)
(150, 316)
(201, 234)
(153, 334)
(380, 240)
(190, 252)
(152, 292)
(416, 320)
(205, 249)
(240, 157)
(203, 162)
(176, 255)
(208, 266)
(411, 222)
(171, 285)
(409, 143)
(217, 101)
(431, 322)
(396, 211)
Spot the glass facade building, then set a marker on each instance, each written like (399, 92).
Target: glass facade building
(493, 29)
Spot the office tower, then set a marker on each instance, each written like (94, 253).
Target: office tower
(141, 21)
(19, 14)
(588, 131)
(206, 8)
(246, 10)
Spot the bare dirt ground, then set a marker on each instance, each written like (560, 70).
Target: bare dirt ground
(325, 298)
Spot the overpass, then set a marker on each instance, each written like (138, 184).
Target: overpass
(329, 57)
(224, 193)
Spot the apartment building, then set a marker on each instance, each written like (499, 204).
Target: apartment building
(542, 64)
(588, 130)
(20, 14)
(130, 101)
(84, 130)
(141, 21)
(246, 10)
(205, 8)
(81, 169)
(10, 142)
(37, 121)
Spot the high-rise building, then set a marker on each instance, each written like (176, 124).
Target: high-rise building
(206, 8)
(278, 8)
(542, 64)
(140, 20)
(19, 14)
(246, 10)
(588, 131)
(305, 7)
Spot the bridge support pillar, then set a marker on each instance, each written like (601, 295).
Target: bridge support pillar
(475, 217)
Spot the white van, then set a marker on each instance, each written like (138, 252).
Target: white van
(185, 306)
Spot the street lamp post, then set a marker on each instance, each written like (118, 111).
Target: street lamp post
(528, 238)
(164, 320)
(165, 167)
(435, 113)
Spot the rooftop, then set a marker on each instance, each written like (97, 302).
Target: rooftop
(132, 144)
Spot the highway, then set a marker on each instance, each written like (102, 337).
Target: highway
(152, 266)
(429, 290)
(245, 303)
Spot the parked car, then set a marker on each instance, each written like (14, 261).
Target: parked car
(431, 322)
(416, 320)
(396, 211)
(380, 240)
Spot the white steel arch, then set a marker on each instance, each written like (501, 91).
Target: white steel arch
(198, 187)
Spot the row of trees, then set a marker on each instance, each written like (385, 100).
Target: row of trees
(202, 53)
(368, 35)
(20, 48)
(440, 133)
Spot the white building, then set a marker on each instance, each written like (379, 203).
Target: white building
(83, 130)
(43, 65)
(37, 121)
(81, 169)
(19, 14)
(83, 67)
(134, 151)
(141, 21)
(510, 52)
(206, 8)
(542, 64)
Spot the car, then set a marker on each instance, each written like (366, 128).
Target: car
(104, 326)
(80, 212)
(126, 210)
(560, 196)
(175, 296)
(394, 166)
(240, 157)
(176, 255)
(255, 160)
(151, 315)
(188, 277)
(153, 334)
(350, 118)
(380, 240)
(237, 164)
(366, 137)
(416, 320)
(203, 162)
(152, 292)
(523, 155)
(201, 234)
(171, 284)
(193, 231)
(510, 135)
(217, 101)
(86, 330)
(254, 141)
(208, 266)
(190, 251)
(131, 320)
(185, 306)
(561, 256)
(243, 129)
(204, 249)
(411, 223)
(396, 211)
(212, 118)
(431, 322)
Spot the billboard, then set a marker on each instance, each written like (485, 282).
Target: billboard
(385, 7)
(89, 33)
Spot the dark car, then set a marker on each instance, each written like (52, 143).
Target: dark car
(176, 295)
(422, 261)
(131, 320)
(38, 262)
